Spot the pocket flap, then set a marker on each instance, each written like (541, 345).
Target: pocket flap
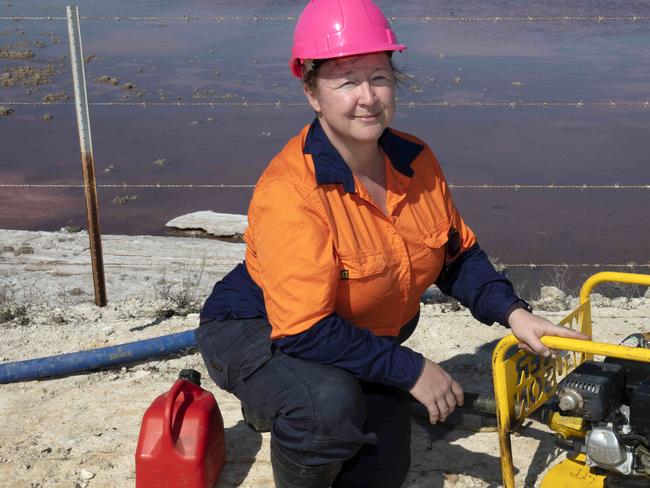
(438, 237)
(361, 265)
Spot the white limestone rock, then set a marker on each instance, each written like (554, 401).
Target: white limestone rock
(551, 299)
(135, 268)
(637, 302)
(552, 293)
(598, 300)
(216, 224)
(86, 475)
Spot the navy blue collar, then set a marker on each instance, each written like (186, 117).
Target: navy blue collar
(330, 168)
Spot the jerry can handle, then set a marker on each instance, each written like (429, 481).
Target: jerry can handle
(169, 408)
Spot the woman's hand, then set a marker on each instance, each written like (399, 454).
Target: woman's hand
(528, 328)
(437, 391)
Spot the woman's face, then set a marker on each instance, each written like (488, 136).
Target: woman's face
(355, 96)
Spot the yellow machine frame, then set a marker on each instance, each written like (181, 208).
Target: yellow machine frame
(523, 382)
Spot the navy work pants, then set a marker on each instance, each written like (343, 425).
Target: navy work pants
(318, 414)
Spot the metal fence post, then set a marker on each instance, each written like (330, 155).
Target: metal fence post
(87, 162)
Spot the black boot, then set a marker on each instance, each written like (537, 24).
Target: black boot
(287, 473)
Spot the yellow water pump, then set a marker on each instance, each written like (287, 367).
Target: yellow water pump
(599, 410)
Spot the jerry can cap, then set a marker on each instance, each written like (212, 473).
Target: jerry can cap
(191, 375)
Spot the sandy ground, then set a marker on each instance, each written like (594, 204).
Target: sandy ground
(81, 431)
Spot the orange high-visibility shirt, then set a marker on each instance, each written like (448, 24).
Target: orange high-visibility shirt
(317, 244)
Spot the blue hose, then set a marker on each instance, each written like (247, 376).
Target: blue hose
(77, 362)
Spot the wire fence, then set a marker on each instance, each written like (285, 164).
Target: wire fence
(125, 185)
(485, 186)
(627, 266)
(423, 19)
(610, 266)
(280, 104)
(576, 265)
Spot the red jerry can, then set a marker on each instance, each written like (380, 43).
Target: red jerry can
(181, 443)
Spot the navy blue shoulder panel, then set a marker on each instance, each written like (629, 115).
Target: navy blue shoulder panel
(331, 168)
(400, 151)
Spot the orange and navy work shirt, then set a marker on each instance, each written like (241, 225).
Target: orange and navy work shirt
(317, 244)
(336, 277)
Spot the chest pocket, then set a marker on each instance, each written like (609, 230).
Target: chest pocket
(447, 239)
(437, 237)
(362, 265)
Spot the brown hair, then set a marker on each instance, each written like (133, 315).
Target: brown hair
(309, 77)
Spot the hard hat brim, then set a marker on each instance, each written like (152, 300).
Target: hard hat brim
(296, 63)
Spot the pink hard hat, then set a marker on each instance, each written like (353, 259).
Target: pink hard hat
(336, 28)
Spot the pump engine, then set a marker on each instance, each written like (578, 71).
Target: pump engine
(612, 397)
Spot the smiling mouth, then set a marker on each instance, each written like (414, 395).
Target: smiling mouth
(366, 116)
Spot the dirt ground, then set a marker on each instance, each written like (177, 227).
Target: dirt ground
(82, 430)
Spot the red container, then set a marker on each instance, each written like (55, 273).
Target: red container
(181, 443)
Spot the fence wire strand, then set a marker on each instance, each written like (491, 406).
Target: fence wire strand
(576, 265)
(124, 185)
(425, 19)
(628, 266)
(279, 104)
(485, 186)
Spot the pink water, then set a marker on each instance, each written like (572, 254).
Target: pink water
(245, 60)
